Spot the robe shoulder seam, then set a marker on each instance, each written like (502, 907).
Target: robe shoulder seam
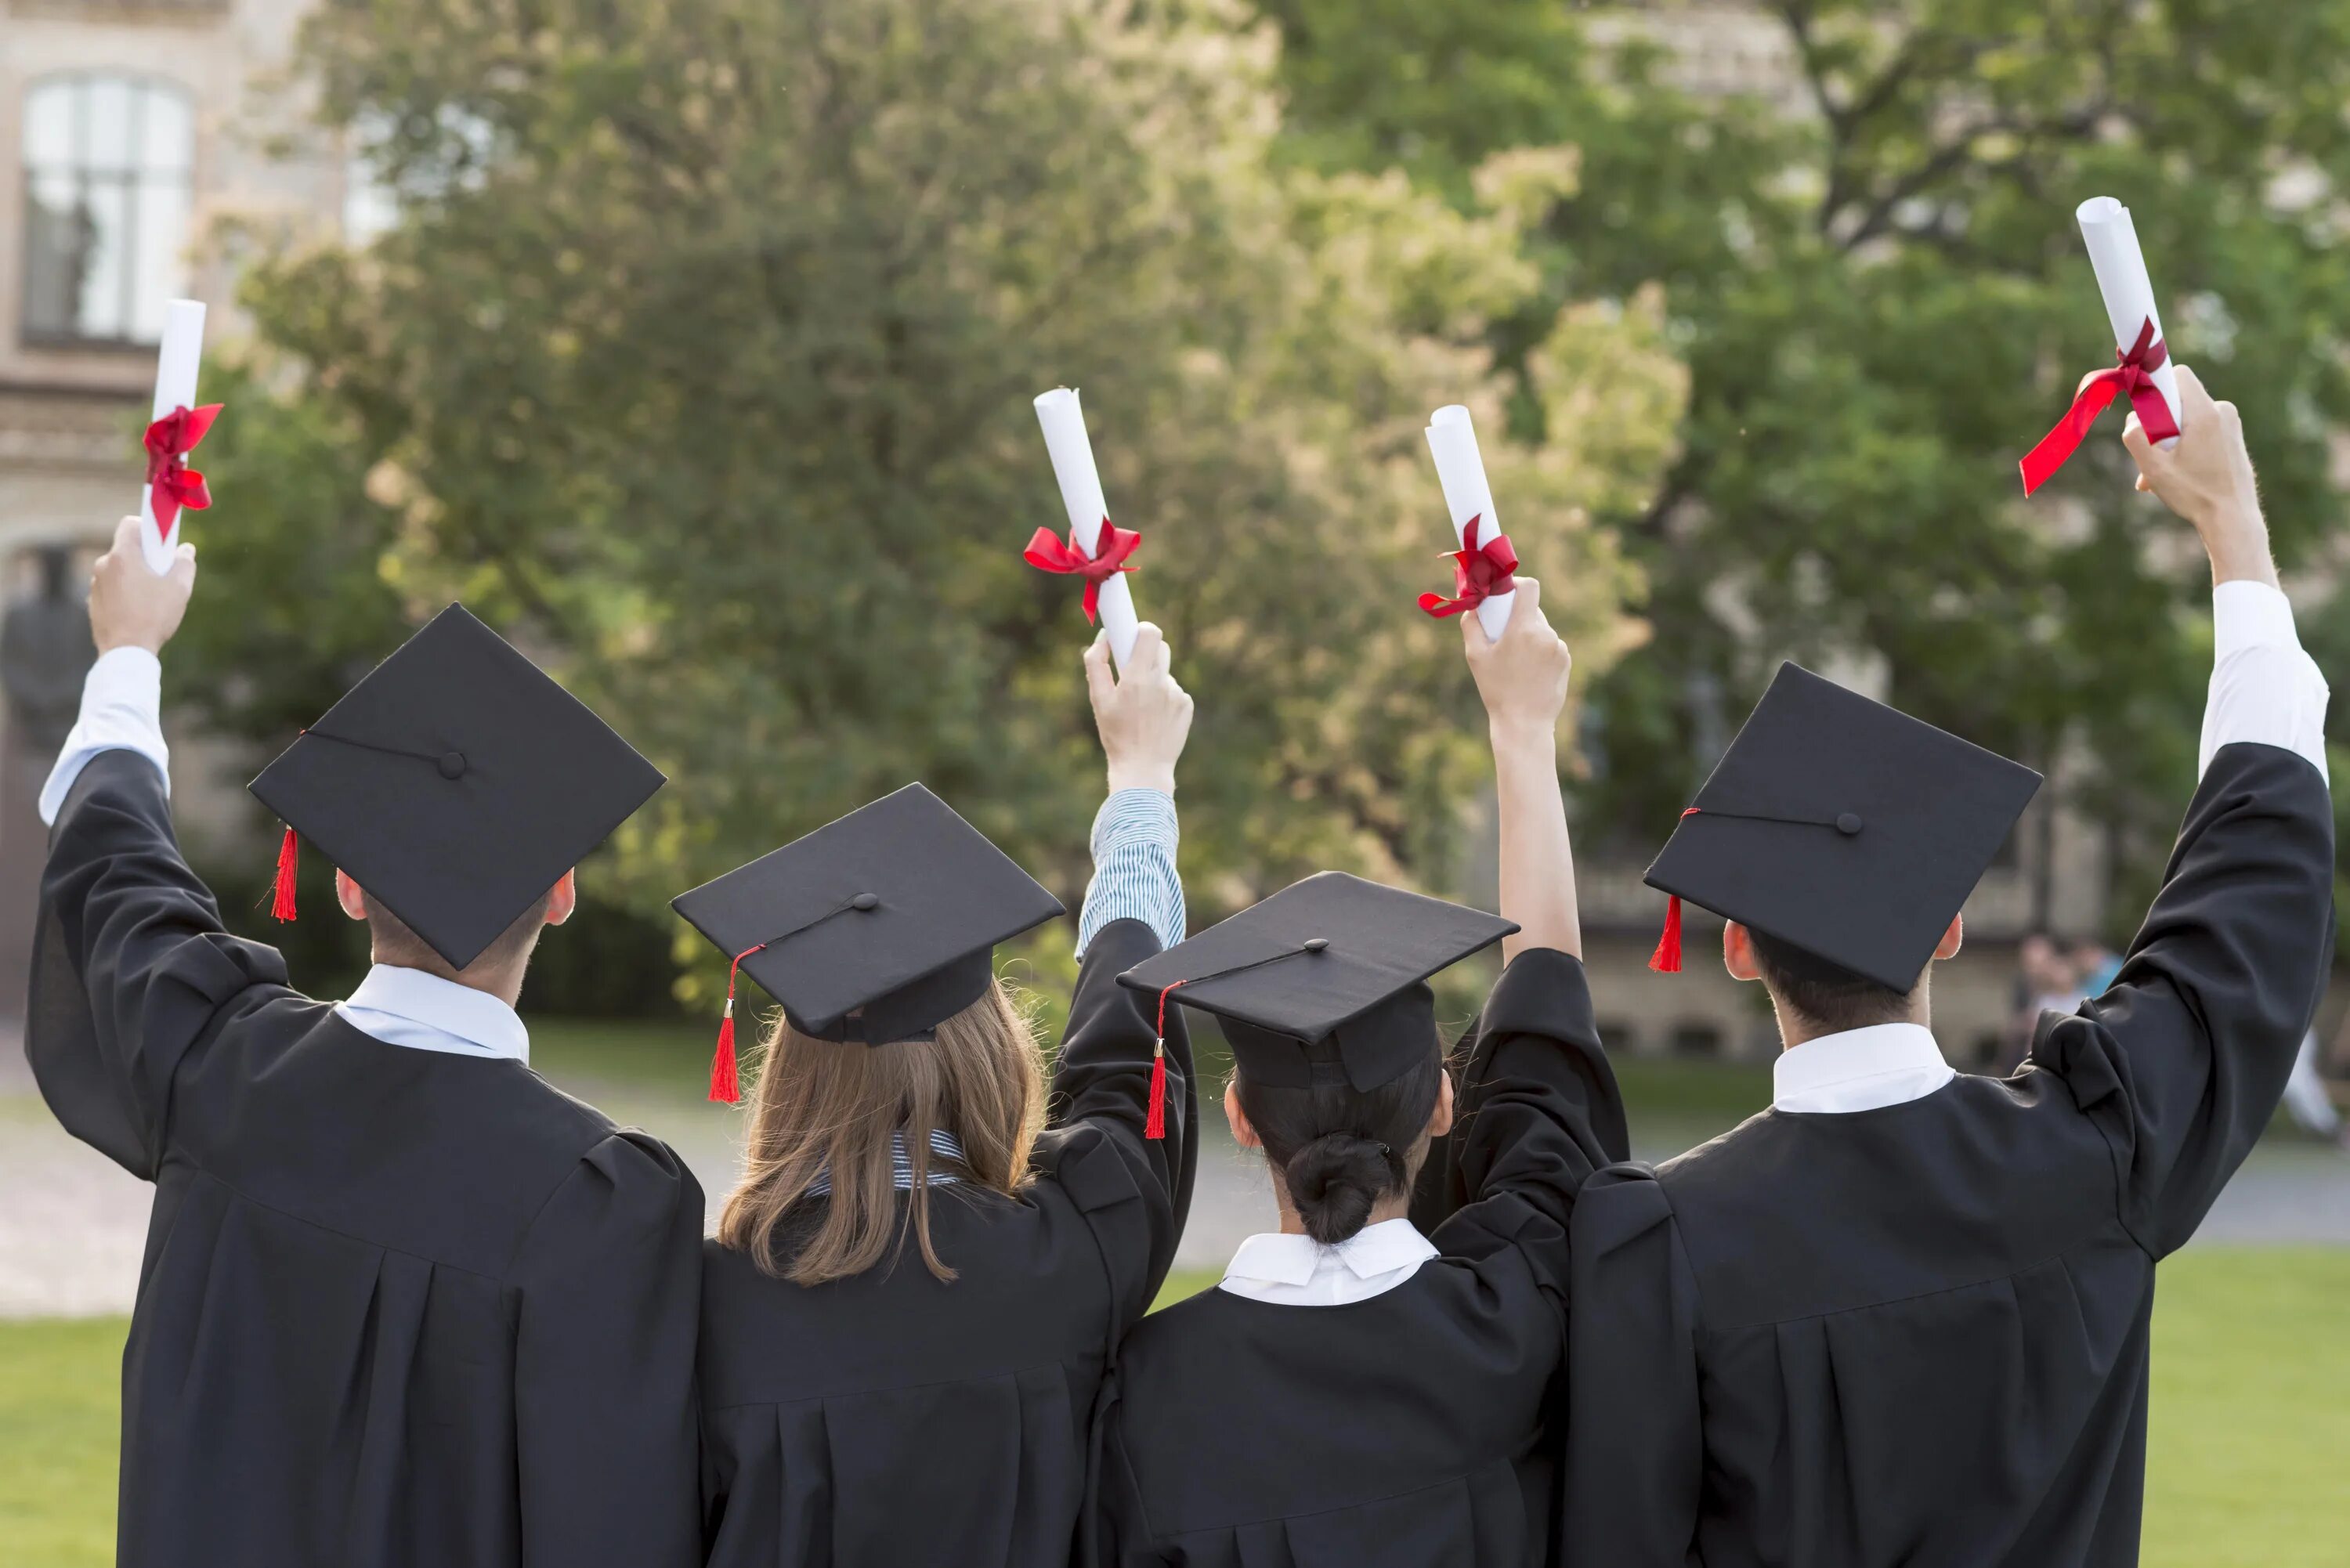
(1440, 1484)
(266, 1207)
(2060, 1255)
(1054, 1365)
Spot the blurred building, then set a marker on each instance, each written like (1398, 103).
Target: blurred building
(136, 137)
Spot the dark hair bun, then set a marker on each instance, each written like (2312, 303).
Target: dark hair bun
(1335, 1180)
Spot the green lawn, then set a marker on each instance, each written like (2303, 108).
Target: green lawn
(2251, 1419)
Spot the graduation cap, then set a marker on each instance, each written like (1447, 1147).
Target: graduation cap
(457, 783)
(1841, 826)
(1330, 966)
(876, 927)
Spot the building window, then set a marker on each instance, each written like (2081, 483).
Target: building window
(107, 163)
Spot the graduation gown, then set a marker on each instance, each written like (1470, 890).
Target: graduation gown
(398, 1306)
(1410, 1428)
(1918, 1334)
(896, 1418)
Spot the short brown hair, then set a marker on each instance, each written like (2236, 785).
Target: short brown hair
(391, 941)
(835, 1109)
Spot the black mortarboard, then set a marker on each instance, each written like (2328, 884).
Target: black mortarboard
(455, 784)
(1331, 959)
(876, 927)
(1842, 827)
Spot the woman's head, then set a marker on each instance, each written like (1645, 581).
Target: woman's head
(1337, 1152)
(840, 1110)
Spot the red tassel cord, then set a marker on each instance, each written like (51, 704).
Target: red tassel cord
(1667, 958)
(725, 1081)
(1154, 1125)
(289, 856)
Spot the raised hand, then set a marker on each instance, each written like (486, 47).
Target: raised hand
(2208, 479)
(129, 605)
(1143, 717)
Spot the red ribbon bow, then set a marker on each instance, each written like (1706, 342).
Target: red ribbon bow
(171, 483)
(1479, 571)
(1049, 552)
(2134, 375)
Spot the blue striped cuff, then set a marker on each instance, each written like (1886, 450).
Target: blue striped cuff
(1134, 843)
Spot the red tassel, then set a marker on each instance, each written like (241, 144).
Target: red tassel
(1667, 958)
(1155, 1123)
(725, 1085)
(289, 855)
(725, 1088)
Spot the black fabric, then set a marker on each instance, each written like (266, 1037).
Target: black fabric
(1418, 1427)
(894, 1418)
(1330, 958)
(1918, 1334)
(892, 912)
(457, 784)
(399, 1309)
(1845, 827)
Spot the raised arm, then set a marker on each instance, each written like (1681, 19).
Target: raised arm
(1101, 1146)
(130, 964)
(1522, 680)
(1540, 1110)
(2184, 1057)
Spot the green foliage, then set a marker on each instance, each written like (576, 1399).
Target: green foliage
(700, 361)
(1871, 265)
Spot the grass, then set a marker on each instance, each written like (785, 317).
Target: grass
(58, 1414)
(2251, 1418)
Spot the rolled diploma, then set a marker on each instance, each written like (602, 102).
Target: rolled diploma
(2120, 266)
(1081, 494)
(1453, 442)
(175, 388)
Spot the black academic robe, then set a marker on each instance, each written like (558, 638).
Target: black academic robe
(896, 1418)
(398, 1307)
(1411, 1428)
(1918, 1334)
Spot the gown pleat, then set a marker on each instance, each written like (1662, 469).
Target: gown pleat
(898, 1418)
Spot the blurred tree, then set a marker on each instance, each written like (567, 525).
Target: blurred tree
(1884, 301)
(700, 360)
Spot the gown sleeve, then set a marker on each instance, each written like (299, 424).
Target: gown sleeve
(1635, 1453)
(606, 1421)
(2183, 1059)
(1537, 1112)
(1135, 1190)
(131, 969)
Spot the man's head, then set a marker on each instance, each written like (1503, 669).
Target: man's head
(498, 968)
(1813, 996)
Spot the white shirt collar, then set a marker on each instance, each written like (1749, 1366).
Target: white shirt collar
(425, 1012)
(1297, 1271)
(1859, 1069)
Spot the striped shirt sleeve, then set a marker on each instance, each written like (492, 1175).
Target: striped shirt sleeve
(1134, 844)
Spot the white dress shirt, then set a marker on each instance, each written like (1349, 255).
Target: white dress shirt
(2264, 687)
(425, 1012)
(121, 702)
(1298, 1271)
(1859, 1069)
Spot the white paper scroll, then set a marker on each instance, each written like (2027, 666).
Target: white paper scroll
(175, 388)
(1081, 494)
(1453, 442)
(2121, 277)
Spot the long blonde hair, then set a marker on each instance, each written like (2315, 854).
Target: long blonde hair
(825, 1107)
